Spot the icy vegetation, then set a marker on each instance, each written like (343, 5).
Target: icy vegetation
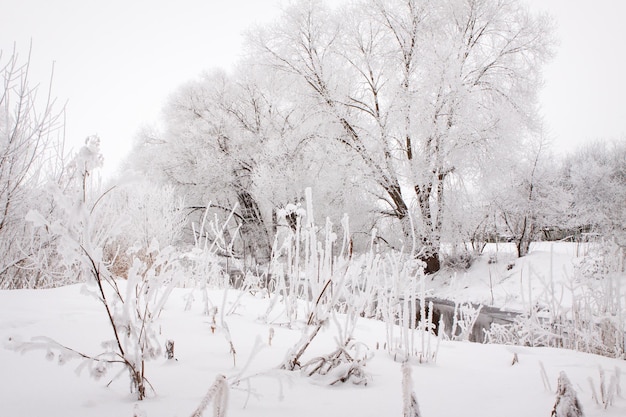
(330, 376)
(363, 219)
(317, 333)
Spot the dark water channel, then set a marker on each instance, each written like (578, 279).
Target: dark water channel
(444, 310)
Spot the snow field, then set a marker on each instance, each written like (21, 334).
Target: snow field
(467, 379)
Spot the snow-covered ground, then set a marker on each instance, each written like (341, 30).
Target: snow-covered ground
(511, 283)
(466, 379)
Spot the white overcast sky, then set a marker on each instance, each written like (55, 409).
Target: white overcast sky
(116, 61)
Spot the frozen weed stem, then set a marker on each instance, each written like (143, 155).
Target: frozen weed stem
(567, 404)
(410, 407)
(218, 394)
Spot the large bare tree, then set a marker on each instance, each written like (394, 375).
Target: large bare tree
(421, 91)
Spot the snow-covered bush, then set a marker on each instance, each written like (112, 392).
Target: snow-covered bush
(132, 307)
(463, 320)
(151, 213)
(77, 237)
(205, 267)
(346, 363)
(459, 260)
(595, 177)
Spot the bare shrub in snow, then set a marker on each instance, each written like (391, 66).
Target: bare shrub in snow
(133, 306)
(347, 363)
(132, 310)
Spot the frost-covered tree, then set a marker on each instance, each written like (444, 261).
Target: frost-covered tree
(30, 145)
(238, 141)
(529, 195)
(419, 92)
(596, 178)
(150, 212)
(210, 147)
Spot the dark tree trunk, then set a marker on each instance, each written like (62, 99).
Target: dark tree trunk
(256, 241)
(523, 246)
(430, 240)
(430, 255)
(524, 238)
(432, 262)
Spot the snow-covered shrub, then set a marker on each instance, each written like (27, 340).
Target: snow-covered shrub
(79, 235)
(316, 281)
(204, 265)
(500, 334)
(346, 363)
(527, 329)
(316, 276)
(459, 260)
(593, 265)
(315, 285)
(567, 404)
(132, 308)
(151, 213)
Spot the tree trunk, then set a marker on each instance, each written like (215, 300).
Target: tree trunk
(432, 262)
(524, 239)
(430, 249)
(523, 246)
(256, 241)
(430, 235)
